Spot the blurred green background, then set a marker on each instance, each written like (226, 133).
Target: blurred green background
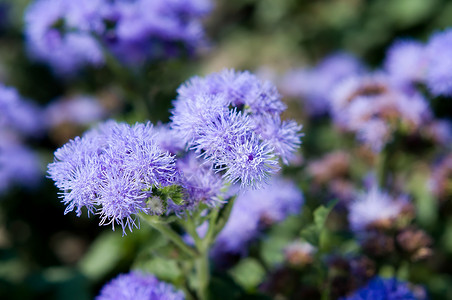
(46, 255)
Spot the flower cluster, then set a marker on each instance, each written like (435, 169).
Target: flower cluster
(136, 285)
(19, 165)
(313, 85)
(441, 178)
(375, 209)
(374, 108)
(78, 110)
(410, 61)
(255, 210)
(112, 171)
(18, 114)
(69, 35)
(19, 119)
(388, 289)
(232, 119)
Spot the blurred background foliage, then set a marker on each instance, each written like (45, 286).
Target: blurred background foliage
(46, 255)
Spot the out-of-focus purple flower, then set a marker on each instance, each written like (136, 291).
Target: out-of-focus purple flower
(441, 178)
(406, 61)
(199, 181)
(387, 289)
(60, 33)
(439, 131)
(111, 170)
(136, 285)
(18, 164)
(313, 85)
(232, 120)
(18, 114)
(439, 63)
(255, 209)
(154, 29)
(374, 133)
(374, 208)
(80, 110)
(374, 107)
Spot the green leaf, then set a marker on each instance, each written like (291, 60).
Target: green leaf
(164, 268)
(173, 192)
(312, 232)
(103, 255)
(249, 273)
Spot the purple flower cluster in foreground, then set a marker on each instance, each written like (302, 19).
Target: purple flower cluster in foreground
(139, 286)
(232, 119)
(71, 34)
(111, 170)
(255, 210)
(385, 289)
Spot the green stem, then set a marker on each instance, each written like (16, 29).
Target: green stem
(165, 230)
(226, 212)
(381, 168)
(203, 273)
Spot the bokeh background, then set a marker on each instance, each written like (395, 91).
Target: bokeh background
(47, 255)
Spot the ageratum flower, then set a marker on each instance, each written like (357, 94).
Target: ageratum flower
(136, 285)
(199, 182)
(19, 165)
(386, 289)
(439, 63)
(79, 110)
(145, 30)
(232, 119)
(313, 85)
(111, 171)
(61, 33)
(406, 61)
(19, 114)
(257, 209)
(374, 107)
(375, 208)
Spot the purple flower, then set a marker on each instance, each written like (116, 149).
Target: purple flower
(374, 107)
(248, 161)
(19, 165)
(439, 63)
(313, 85)
(112, 170)
(137, 285)
(154, 29)
(373, 208)
(19, 114)
(283, 136)
(232, 120)
(200, 183)
(167, 140)
(60, 32)
(80, 110)
(255, 209)
(386, 289)
(406, 61)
